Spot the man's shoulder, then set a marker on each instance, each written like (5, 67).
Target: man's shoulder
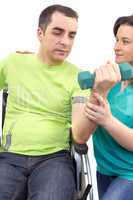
(21, 56)
(16, 57)
(24, 52)
(17, 54)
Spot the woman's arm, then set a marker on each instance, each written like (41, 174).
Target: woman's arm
(102, 115)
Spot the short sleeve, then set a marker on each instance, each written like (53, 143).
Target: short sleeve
(2, 75)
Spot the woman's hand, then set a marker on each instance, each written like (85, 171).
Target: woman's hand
(99, 112)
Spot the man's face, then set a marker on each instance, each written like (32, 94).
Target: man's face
(57, 39)
(124, 44)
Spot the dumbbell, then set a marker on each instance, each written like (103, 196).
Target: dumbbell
(86, 79)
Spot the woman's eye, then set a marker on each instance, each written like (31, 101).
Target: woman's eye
(125, 41)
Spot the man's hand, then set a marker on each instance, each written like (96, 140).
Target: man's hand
(106, 77)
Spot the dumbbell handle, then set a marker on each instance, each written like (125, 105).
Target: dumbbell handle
(86, 79)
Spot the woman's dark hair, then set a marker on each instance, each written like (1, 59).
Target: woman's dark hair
(46, 14)
(125, 20)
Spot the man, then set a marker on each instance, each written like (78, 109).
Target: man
(35, 162)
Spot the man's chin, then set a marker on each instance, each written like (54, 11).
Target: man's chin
(60, 58)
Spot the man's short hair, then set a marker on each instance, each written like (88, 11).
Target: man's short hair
(46, 14)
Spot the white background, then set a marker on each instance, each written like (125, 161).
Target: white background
(94, 42)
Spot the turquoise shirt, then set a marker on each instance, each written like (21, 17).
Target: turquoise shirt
(112, 159)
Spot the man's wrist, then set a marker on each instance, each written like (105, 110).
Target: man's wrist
(101, 93)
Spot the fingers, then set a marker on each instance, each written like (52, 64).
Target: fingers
(98, 76)
(94, 108)
(91, 112)
(109, 71)
(99, 112)
(90, 116)
(100, 99)
(115, 70)
(106, 77)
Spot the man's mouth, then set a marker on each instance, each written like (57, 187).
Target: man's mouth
(61, 51)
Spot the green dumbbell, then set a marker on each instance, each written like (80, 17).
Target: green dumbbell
(86, 79)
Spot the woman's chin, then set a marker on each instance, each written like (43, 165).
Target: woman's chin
(118, 61)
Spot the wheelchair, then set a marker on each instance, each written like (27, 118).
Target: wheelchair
(79, 153)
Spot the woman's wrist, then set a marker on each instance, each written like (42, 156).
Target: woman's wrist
(108, 122)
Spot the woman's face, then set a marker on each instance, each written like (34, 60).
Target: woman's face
(124, 44)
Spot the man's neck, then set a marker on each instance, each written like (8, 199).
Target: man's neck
(47, 61)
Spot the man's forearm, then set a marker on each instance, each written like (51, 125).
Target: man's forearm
(82, 131)
(82, 127)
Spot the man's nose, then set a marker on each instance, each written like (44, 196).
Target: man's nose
(65, 40)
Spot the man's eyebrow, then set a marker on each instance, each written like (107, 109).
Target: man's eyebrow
(61, 30)
(58, 29)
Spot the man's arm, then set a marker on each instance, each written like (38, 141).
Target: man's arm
(82, 127)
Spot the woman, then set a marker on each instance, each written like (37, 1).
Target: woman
(113, 137)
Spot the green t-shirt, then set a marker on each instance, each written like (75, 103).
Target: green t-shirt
(38, 114)
(112, 159)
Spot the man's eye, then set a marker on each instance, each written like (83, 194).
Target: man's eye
(57, 33)
(72, 36)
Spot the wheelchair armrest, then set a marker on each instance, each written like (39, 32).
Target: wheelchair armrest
(83, 179)
(80, 148)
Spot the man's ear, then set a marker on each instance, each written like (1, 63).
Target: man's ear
(40, 33)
